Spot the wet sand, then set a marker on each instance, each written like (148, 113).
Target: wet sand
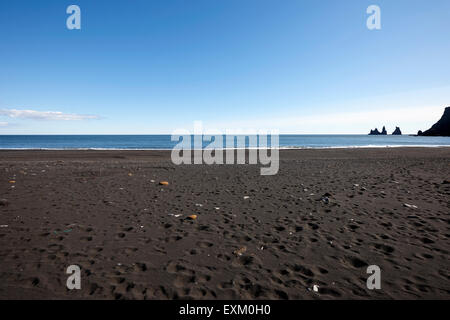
(321, 220)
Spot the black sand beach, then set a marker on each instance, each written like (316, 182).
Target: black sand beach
(320, 221)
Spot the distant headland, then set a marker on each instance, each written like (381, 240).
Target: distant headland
(440, 128)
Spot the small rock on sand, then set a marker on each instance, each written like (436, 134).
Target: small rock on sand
(240, 251)
(164, 183)
(325, 198)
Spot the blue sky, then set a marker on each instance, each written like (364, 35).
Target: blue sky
(139, 67)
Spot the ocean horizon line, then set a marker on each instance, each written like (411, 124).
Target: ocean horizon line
(205, 133)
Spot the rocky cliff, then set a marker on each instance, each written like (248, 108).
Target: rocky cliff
(441, 128)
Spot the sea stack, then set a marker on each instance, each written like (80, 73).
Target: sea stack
(378, 133)
(397, 132)
(441, 128)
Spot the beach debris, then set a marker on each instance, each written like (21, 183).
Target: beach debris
(130, 174)
(65, 231)
(356, 185)
(315, 288)
(198, 205)
(411, 206)
(4, 202)
(152, 181)
(240, 251)
(246, 197)
(12, 181)
(217, 208)
(192, 217)
(4, 226)
(164, 183)
(325, 198)
(175, 215)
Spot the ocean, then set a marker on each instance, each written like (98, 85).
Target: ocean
(163, 142)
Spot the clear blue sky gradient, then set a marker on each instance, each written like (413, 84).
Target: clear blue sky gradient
(155, 66)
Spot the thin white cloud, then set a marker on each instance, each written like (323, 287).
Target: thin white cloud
(4, 124)
(45, 115)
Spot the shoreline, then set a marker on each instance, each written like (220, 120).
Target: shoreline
(224, 149)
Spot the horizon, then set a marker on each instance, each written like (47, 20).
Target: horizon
(152, 68)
